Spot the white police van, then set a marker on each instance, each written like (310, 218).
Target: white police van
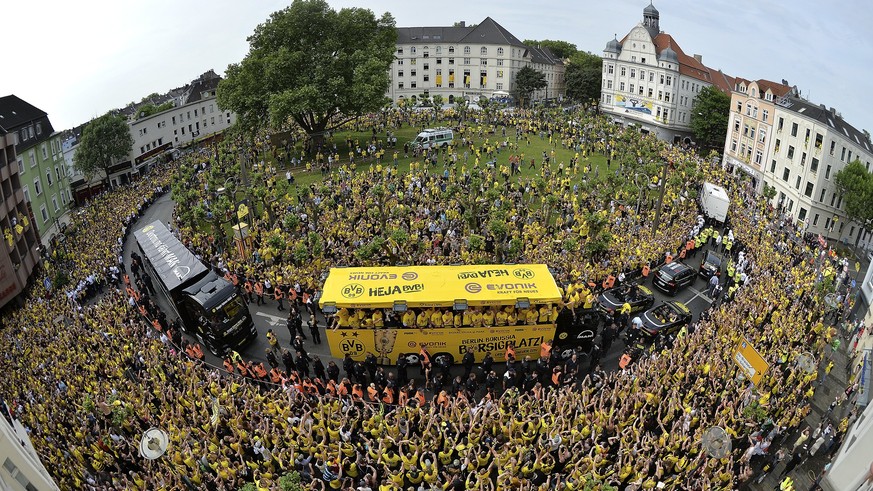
(433, 138)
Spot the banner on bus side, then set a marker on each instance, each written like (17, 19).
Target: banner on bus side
(389, 344)
(439, 286)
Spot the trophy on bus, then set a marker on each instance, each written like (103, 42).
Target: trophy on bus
(384, 340)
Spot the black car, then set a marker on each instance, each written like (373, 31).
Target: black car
(639, 300)
(710, 265)
(666, 318)
(673, 277)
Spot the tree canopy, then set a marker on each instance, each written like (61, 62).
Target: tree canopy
(709, 118)
(582, 77)
(528, 80)
(313, 66)
(855, 183)
(104, 140)
(561, 49)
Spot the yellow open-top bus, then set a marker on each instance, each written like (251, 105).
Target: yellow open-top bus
(449, 310)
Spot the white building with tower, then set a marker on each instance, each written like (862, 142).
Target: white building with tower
(649, 81)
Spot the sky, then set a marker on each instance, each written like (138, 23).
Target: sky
(77, 60)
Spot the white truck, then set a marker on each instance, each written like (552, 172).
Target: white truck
(714, 202)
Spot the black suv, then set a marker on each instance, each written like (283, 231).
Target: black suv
(673, 277)
(710, 265)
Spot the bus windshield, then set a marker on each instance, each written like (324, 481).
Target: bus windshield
(229, 311)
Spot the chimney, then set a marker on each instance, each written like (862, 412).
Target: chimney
(784, 82)
(833, 111)
(463, 23)
(867, 134)
(699, 58)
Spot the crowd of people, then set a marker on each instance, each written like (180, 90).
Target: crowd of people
(88, 374)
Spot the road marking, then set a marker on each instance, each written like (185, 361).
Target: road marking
(273, 320)
(700, 294)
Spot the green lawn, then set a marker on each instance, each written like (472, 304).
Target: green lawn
(533, 149)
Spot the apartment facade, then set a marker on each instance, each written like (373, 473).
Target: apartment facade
(796, 147)
(42, 169)
(194, 117)
(472, 62)
(20, 465)
(19, 243)
(810, 145)
(750, 136)
(649, 81)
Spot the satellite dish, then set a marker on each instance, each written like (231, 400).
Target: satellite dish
(806, 362)
(716, 442)
(154, 443)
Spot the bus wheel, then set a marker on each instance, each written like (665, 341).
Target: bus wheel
(440, 356)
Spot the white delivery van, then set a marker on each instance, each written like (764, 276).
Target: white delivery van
(433, 138)
(714, 202)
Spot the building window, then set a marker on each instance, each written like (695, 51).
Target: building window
(833, 198)
(773, 166)
(633, 73)
(736, 122)
(623, 71)
(48, 177)
(650, 91)
(399, 51)
(609, 69)
(413, 84)
(412, 49)
(400, 73)
(748, 109)
(739, 107)
(466, 61)
(484, 61)
(55, 203)
(669, 80)
(412, 73)
(813, 165)
(809, 188)
(399, 86)
(439, 50)
(412, 61)
(499, 73)
(766, 115)
(828, 172)
(758, 157)
(734, 146)
(781, 122)
(44, 213)
(797, 183)
(439, 61)
(793, 129)
(631, 88)
(843, 155)
(426, 77)
(802, 214)
(821, 197)
(609, 84)
(790, 152)
(785, 174)
(466, 50)
(621, 86)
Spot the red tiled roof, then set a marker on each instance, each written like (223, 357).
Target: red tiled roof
(777, 89)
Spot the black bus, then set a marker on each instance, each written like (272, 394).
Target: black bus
(208, 306)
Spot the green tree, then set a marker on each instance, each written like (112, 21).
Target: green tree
(528, 80)
(104, 141)
(313, 66)
(561, 49)
(855, 184)
(709, 118)
(583, 77)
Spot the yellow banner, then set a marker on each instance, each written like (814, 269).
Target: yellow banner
(439, 286)
(439, 80)
(389, 344)
(242, 211)
(484, 81)
(750, 362)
